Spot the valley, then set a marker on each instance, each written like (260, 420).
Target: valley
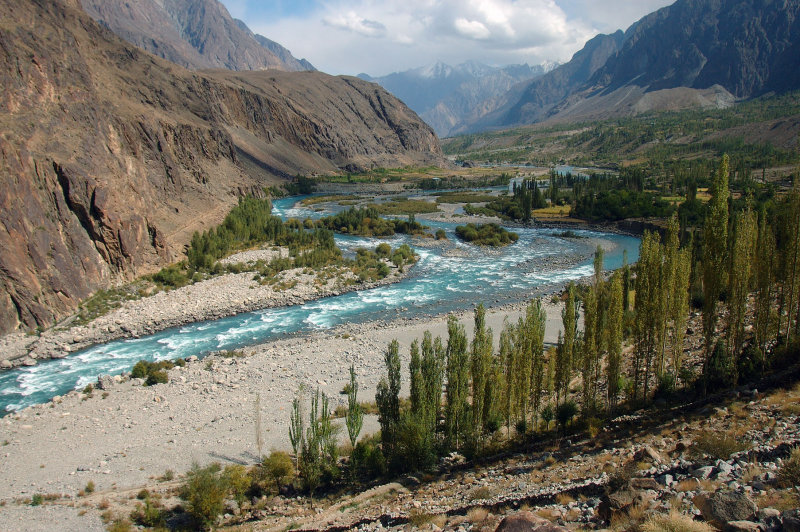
(513, 289)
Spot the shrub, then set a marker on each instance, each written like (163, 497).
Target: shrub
(565, 412)
(237, 479)
(157, 377)
(152, 372)
(441, 235)
(368, 457)
(675, 522)
(89, 487)
(204, 492)
(279, 468)
(149, 514)
(789, 473)
(718, 445)
(37, 499)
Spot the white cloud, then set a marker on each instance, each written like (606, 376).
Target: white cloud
(352, 22)
(471, 28)
(379, 37)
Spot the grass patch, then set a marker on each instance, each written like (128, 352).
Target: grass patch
(404, 206)
(718, 445)
(464, 197)
(675, 522)
(329, 198)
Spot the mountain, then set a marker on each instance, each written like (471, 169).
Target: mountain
(112, 157)
(444, 95)
(195, 34)
(529, 102)
(692, 53)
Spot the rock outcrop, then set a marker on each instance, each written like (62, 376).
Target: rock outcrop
(110, 157)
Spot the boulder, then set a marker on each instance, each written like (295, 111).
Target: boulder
(723, 507)
(105, 382)
(527, 522)
(644, 484)
(742, 526)
(613, 503)
(791, 520)
(647, 454)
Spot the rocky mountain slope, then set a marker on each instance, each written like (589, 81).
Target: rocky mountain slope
(112, 157)
(194, 34)
(690, 54)
(445, 95)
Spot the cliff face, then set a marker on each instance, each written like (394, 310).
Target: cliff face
(110, 157)
(192, 33)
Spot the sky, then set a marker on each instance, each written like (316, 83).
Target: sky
(381, 37)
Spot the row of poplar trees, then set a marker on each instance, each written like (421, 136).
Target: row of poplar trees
(483, 391)
(463, 391)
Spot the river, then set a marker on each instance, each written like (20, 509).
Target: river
(439, 283)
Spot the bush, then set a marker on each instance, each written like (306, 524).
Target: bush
(718, 445)
(368, 458)
(237, 480)
(204, 492)
(789, 473)
(152, 372)
(279, 468)
(89, 487)
(565, 412)
(441, 235)
(149, 514)
(675, 522)
(37, 499)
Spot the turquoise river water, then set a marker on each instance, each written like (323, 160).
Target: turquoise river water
(440, 282)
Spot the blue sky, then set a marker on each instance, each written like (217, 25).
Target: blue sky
(380, 37)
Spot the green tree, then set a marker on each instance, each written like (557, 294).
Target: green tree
(457, 408)
(480, 366)
(649, 309)
(614, 328)
(355, 414)
(566, 358)
(715, 248)
(536, 320)
(433, 363)
(387, 398)
(742, 258)
(765, 279)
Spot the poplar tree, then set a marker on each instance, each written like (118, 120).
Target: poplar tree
(648, 301)
(742, 256)
(536, 318)
(791, 280)
(387, 398)
(417, 386)
(433, 360)
(355, 414)
(565, 354)
(590, 345)
(457, 408)
(765, 277)
(481, 366)
(614, 346)
(507, 352)
(715, 242)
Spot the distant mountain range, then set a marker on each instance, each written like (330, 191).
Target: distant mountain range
(694, 53)
(445, 95)
(195, 34)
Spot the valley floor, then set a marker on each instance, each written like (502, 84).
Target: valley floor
(127, 436)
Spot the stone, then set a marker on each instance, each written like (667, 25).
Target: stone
(742, 526)
(105, 382)
(647, 454)
(703, 472)
(614, 503)
(5, 364)
(644, 484)
(665, 480)
(527, 522)
(791, 520)
(723, 507)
